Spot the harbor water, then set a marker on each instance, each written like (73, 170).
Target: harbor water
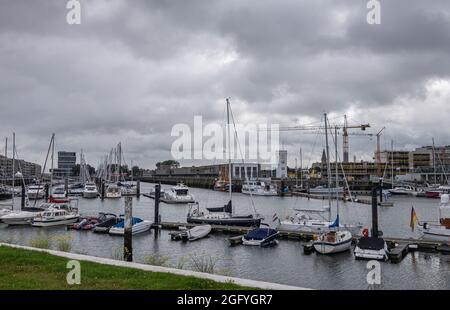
(284, 263)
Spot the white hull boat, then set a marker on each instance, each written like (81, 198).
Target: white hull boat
(139, 226)
(113, 192)
(371, 248)
(59, 193)
(321, 190)
(19, 218)
(333, 242)
(178, 195)
(195, 233)
(90, 191)
(259, 189)
(35, 192)
(55, 217)
(402, 190)
(439, 231)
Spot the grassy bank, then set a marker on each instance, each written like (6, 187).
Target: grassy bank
(22, 269)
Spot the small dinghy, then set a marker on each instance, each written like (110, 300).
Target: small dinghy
(261, 236)
(139, 226)
(86, 223)
(195, 233)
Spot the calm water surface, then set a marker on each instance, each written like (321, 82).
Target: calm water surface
(284, 263)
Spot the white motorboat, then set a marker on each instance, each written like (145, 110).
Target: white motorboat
(262, 236)
(178, 194)
(113, 191)
(55, 217)
(35, 192)
(139, 226)
(333, 242)
(19, 217)
(90, 190)
(195, 233)
(76, 189)
(128, 189)
(371, 248)
(259, 188)
(438, 231)
(402, 190)
(311, 221)
(59, 193)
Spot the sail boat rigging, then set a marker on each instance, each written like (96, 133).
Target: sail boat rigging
(224, 215)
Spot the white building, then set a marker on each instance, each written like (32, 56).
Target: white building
(282, 165)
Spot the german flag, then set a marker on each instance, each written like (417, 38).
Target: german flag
(413, 221)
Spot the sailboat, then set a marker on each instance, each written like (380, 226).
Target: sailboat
(223, 215)
(339, 240)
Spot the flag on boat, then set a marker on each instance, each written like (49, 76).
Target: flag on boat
(275, 218)
(413, 221)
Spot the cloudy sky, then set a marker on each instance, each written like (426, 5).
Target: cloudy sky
(133, 69)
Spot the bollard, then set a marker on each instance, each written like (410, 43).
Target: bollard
(128, 230)
(22, 199)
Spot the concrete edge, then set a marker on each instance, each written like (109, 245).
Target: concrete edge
(181, 272)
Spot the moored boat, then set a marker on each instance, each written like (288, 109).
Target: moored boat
(90, 190)
(438, 231)
(259, 188)
(139, 226)
(262, 236)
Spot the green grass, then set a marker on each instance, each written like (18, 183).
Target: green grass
(23, 269)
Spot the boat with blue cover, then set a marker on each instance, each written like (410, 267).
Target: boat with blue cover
(139, 226)
(260, 236)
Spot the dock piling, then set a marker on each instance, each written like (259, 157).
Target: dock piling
(102, 190)
(138, 188)
(128, 227)
(374, 212)
(22, 198)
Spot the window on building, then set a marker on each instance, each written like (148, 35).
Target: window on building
(236, 172)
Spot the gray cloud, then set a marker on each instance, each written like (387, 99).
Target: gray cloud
(133, 69)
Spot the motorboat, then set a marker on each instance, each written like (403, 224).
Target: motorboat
(127, 188)
(86, 223)
(195, 233)
(333, 242)
(438, 231)
(59, 193)
(139, 226)
(90, 190)
(4, 212)
(219, 185)
(371, 248)
(178, 194)
(107, 220)
(35, 192)
(113, 191)
(19, 217)
(5, 194)
(311, 221)
(259, 188)
(55, 217)
(221, 216)
(437, 192)
(262, 236)
(402, 190)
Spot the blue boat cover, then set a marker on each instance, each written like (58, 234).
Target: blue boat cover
(336, 222)
(260, 233)
(121, 224)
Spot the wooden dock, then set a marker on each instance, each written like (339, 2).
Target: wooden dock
(402, 243)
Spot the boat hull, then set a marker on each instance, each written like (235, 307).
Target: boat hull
(244, 222)
(90, 195)
(56, 222)
(136, 229)
(330, 248)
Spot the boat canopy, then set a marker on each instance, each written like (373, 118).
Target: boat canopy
(121, 224)
(260, 233)
(371, 243)
(226, 208)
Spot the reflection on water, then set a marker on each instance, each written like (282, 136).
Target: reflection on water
(284, 263)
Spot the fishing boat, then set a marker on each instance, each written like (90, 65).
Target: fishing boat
(262, 236)
(259, 188)
(90, 190)
(223, 215)
(139, 226)
(195, 233)
(438, 231)
(55, 217)
(178, 194)
(35, 192)
(113, 191)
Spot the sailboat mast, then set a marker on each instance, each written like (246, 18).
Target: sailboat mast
(392, 163)
(336, 168)
(6, 147)
(301, 168)
(434, 162)
(296, 173)
(229, 148)
(53, 155)
(328, 160)
(13, 168)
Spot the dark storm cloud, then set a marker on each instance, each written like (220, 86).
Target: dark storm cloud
(133, 69)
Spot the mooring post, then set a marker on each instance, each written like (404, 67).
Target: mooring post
(46, 191)
(66, 186)
(381, 190)
(102, 190)
(22, 198)
(128, 230)
(374, 211)
(138, 188)
(157, 218)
